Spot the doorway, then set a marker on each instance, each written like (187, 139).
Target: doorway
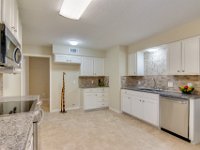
(37, 79)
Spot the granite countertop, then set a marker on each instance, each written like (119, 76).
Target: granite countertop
(165, 93)
(15, 128)
(14, 131)
(94, 87)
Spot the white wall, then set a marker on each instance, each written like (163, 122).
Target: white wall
(62, 49)
(181, 32)
(72, 91)
(25, 77)
(115, 67)
(11, 84)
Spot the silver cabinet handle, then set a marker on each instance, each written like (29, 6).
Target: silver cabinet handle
(183, 70)
(178, 70)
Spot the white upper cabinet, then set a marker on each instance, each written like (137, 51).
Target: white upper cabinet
(136, 64)
(10, 16)
(6, 13)
(184, 57)
(98, 66)
(0, 11)
(87, 66)
(132, 65)
(92, 66)
(190, 58)
(59, 58)
(175, 58)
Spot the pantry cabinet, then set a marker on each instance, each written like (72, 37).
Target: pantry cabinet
(144, 106)
(92, 66)
(184, 57)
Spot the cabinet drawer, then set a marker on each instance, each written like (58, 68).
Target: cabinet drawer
(96, 90)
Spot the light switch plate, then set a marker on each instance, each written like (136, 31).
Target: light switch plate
(170, 84)
(189, 84)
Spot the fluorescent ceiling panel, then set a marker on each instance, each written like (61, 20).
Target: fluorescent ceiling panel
(73, 9)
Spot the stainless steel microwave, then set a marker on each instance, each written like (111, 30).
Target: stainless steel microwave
(10, 52)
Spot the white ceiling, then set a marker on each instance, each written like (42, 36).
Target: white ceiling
(105, 23)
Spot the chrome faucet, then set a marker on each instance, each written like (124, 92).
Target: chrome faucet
(155, 84)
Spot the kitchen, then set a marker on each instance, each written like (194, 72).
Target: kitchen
(124, 71)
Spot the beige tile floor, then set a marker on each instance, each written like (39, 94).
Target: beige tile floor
(103, 130)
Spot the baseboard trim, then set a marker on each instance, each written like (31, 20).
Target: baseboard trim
(115, 110)
(71, 108)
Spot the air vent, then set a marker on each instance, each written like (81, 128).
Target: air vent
(73, 50)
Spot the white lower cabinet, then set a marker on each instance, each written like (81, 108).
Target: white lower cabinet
(93, 98)
(137, 107)
(144, 106)
(126, 104)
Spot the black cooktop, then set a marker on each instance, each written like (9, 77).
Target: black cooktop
(12, 107)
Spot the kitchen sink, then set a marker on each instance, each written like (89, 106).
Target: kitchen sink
(150, 89)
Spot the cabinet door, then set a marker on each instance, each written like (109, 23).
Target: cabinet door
(151, 111)
(137, 108)
(90, 101)
(0, 11)
(20, 32)
(126, 103)
(190, 56)
(87, 66)
(6, 14)
(140, 63)
(132, 64)
(174, 58)
(98, 66)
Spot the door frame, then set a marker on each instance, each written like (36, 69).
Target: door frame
(50, 75)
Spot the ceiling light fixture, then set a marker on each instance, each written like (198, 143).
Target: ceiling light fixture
(73, 43)
(73, 9)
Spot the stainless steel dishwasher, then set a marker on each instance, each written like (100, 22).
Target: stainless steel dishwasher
(174, 116)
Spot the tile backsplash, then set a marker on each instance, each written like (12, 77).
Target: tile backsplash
(92, 82)
(1, 84)
(155, 62)
(162, 82)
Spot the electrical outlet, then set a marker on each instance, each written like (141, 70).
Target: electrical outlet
(92, 81)
(139, 82)
(170, 84)
(189, 84)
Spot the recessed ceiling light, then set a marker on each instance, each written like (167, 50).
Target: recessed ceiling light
(73, 9)
(73, 43)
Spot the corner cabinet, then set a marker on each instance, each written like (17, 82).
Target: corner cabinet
(144, 106)
(92, 66)
(184, 57)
